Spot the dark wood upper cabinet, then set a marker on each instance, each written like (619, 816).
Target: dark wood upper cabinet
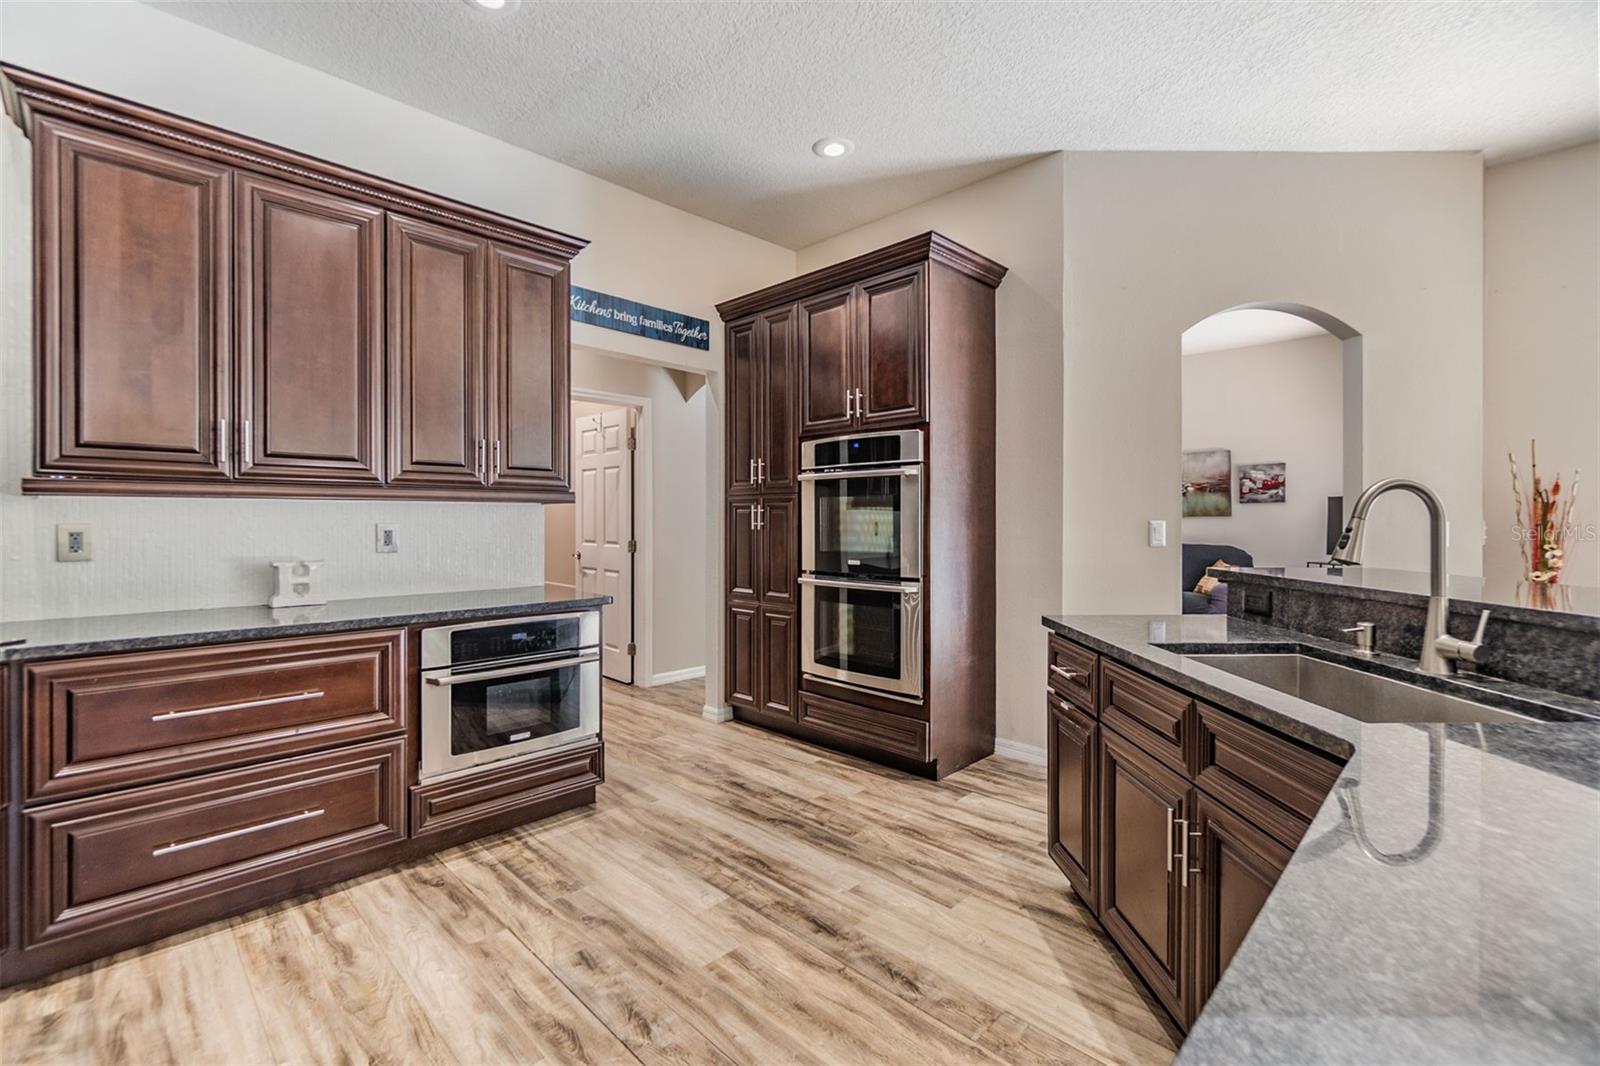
(1072, 760)
(309, 301)
(776, 451)
(133, 309)
(827, 383)
(778, 533)
(1144, 805)
(436, 345)
(218, 316)
(891, 357)
(745, 406)
(744, 549)
(530, 364)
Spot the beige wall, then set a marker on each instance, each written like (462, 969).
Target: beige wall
(1013, 217)
(1541, 344)
(158, 554)
(672, 544)
(1390, 243)
(1277, 402)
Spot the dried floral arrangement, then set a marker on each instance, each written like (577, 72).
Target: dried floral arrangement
(1548, 513)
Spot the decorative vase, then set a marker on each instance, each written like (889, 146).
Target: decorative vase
(1542, 520)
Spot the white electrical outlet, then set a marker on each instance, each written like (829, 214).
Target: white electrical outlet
(386, 540)
(73, 545)
(1158, 533)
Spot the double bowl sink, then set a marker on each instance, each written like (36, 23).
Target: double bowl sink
(1353, 693)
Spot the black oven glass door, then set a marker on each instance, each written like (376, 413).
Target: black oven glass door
(866, 525)
(500, 711)
(864, 635)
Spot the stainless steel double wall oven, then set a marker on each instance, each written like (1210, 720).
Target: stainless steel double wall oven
(861, 594)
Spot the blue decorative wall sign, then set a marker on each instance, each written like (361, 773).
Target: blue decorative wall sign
(629, 316)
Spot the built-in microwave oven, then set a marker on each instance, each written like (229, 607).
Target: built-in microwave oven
(861, 506)
(507, 688)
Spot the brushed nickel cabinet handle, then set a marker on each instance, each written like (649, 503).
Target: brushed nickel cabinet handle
(222, 441)
(288, 819)
(1195, 869)
(1183, 855)
(247, 446)
(1064, 673)
(752, 478)
(497, 465)
(1171, 817)
(243, 705)
(859, 410)
(761, 471)
(847, 413)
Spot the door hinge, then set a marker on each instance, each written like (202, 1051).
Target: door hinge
(633, 649)
(633, 547)
(633, 442)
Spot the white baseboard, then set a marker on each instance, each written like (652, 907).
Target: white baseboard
(717, 714)
(671, 676)
(1015, 749)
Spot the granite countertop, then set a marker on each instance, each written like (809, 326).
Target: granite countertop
(1459, 924)
(1572, 606)
(55, 638)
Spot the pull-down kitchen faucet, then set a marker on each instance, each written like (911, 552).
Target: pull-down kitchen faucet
(1440, 651)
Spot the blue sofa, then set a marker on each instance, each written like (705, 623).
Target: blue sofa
(1196, 557)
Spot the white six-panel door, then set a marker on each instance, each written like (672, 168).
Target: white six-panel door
(605, 527)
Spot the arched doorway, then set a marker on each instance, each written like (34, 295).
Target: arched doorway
(1271, 437)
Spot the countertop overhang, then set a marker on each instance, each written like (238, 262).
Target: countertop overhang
(1454, 919)
(57, 638)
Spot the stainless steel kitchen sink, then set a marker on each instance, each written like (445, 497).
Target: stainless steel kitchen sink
(1363, 696)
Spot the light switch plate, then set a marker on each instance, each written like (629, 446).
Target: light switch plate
(73, 544)
(1158, 533)
(385, 540)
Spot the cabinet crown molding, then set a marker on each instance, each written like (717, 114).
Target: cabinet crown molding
(924, 246)
(28, 94)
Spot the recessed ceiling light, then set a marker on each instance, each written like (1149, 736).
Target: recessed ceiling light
(833, 147)
(497, 6)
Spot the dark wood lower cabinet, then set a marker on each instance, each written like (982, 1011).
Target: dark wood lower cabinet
(1236, 865)
(778, 662)
(1144, 806)
(1171, 819)
(762, 661)
(1074, 773)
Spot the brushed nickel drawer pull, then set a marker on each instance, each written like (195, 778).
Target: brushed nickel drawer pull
(269, 701)
(1183, 854)
(1171, 815)
(1067, 675)
(288, 819)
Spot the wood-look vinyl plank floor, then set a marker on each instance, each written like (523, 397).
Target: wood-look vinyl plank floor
(734, 897)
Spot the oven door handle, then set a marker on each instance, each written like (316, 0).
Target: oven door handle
(861, 471)
(525, 670)
(867, 586)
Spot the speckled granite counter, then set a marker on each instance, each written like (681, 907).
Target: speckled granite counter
(1460, 923)
(61, 637)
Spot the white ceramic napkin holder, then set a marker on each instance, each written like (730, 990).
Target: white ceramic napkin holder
(297, 583)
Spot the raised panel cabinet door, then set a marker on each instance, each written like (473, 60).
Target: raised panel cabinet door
(744, 653)
(745, 405)
(530, 360)
(744, 549)
(1234, 866)
(777, 438)
(435, 342)
(1073, 773)
(133, 321)
(827, 383)
(309, 298)
(892, 351)
(780, 651)
(1143, 809)
(778, 563)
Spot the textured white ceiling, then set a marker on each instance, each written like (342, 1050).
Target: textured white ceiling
(713, 107)
(1245, 327)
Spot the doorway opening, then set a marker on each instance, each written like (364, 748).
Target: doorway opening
(593, 545)
(1271, 439)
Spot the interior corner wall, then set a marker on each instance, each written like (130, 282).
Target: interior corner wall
(1541, 346)
(1015, 218)
(167, 553)
(1390, 243)
(1279, 402)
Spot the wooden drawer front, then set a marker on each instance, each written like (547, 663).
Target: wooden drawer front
(892, 733)
(1146, 712)
(107, 860)
(1072, 674)
(525, 786)
(126, 720)
(1278, 783)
